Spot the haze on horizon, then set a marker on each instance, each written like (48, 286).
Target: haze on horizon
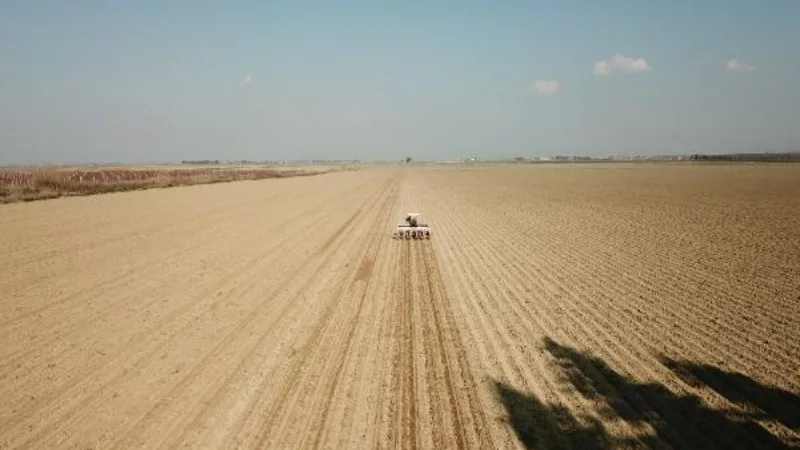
(151, 81)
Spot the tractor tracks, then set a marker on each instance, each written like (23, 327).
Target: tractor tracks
(403, 404)
(434, 402)
(324, 351)
(457, 404)
(180, 335)
(547, 311)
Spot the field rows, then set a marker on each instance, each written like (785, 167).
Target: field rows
(554, 307)
(555, 276)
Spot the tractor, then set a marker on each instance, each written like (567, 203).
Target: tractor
(413, 228)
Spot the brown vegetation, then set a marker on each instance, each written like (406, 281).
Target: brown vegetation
(39, 184)
(556, 306)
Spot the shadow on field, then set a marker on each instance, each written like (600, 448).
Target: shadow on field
(677, 421)
(543, 426)
(772, 403)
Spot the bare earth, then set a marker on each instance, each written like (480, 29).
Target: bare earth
(557, 306)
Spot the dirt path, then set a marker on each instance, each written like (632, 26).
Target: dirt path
(554, 307)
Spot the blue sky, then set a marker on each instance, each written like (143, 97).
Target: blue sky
(85, 81)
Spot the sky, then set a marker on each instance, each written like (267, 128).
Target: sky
(154, 81)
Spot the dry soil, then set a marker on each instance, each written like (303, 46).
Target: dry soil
(556, 306)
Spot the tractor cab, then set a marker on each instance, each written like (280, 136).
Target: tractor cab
(413, 228)
(412, 219)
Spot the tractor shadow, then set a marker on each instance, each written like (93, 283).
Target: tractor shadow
(676, 421)
(773, 403)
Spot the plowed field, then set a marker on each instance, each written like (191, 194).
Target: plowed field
(556, 306)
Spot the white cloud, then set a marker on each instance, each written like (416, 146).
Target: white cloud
(738, 66)
(548, 87)
(246, 80)
(621, 63)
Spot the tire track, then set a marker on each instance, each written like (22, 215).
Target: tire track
(157, 346)
(448, 351)
(56, 332)
(138, 272)
(120, 364)
(102, 242)
(363, 275)
(360, 280)
(435, 396)
(180, 310)
(289, 387)
(43, 288)
(404, 402)
(204, 401)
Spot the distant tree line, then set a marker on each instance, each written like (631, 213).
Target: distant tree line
(201, 161)
(749, 157)
(251, 162)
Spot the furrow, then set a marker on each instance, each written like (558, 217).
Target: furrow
(202, 396)
(290, 380)
(78, 352)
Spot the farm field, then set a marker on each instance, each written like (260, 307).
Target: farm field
(556, 306)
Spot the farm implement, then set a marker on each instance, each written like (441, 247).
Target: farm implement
(413, 228)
